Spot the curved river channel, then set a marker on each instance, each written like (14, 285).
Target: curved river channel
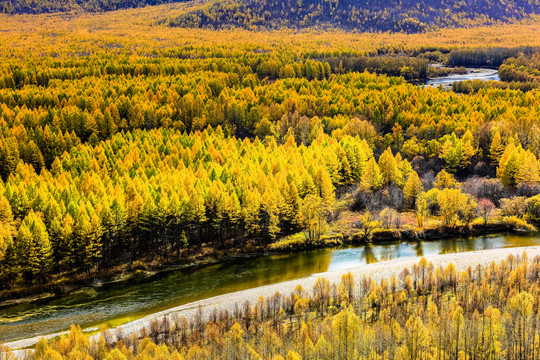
(472, 74)
(118, 303)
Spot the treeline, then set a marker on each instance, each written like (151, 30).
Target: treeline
(435, 71)
(473, 86)
(489, 57)
(512, 198)
(410, 68)
(403, 16)
(426, 311)
(54, 6)
(523, 69)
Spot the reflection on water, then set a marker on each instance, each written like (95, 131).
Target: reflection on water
(139, 297)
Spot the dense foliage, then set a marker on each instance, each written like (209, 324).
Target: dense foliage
(523, 69)
(116, 147)
(52, 6)
(426, 312)
(388, 15)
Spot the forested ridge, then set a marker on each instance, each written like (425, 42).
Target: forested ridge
(388, 15)
(54, 6)
(425, 312)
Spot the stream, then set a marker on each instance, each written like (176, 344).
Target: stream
(118, 303)
(472, 74)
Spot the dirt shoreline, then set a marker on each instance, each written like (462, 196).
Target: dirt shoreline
(377, 271)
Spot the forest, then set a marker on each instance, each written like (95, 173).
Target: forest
(151, 137)
(389, 15)
(426, 312)
(115, 151)
(55, 6)
(90, 149)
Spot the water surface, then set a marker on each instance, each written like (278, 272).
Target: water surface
(135, 298)
(472, 74)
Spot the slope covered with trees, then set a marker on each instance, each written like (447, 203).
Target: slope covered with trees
(388, 15)
(54, 6)
(400, 16)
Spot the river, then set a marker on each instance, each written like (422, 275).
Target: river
(472, 74)
(117, 303)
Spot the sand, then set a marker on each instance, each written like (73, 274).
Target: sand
(377, 271)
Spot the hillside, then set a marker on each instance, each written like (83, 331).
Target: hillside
(410, 16)
(364, 15)
(54, 6)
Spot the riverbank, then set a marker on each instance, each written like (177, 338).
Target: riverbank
(377, 271)
(209, 256)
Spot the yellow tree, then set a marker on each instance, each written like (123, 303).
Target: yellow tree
(451, 201)
(445, 180)
(372, 179)
(412, 189)
(312, 217)
(509, 165)
(346, 329)
(496, 149)
(388, 167)
(529, 171)
(369, 224)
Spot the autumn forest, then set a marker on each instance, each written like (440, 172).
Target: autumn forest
(147, 134)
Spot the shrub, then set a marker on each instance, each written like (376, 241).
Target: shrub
(519, 224)
(515, 206)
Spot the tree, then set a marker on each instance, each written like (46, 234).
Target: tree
(496, 149)
(33, 248)
(293, 355)
(421, 209)
(234, 343)
(264, 128)
(457, 153)
(468, 211)
(387, 216)
(346, 329)
(485, 208)
(372, 178)
(6, 227)
(368, 225)
(416, 338)
(312, 218)
(290, 206)
(529, 172)
(509, 165)
(388, 167)
(451, 201)
(347, 280)
(412, 189)
(321, 293)
(445, 180)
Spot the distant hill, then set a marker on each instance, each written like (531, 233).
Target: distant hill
(409, 16)
(365, 15)
(53, 6)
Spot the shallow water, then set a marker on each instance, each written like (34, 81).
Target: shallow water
(473, 74)
(121, 302)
